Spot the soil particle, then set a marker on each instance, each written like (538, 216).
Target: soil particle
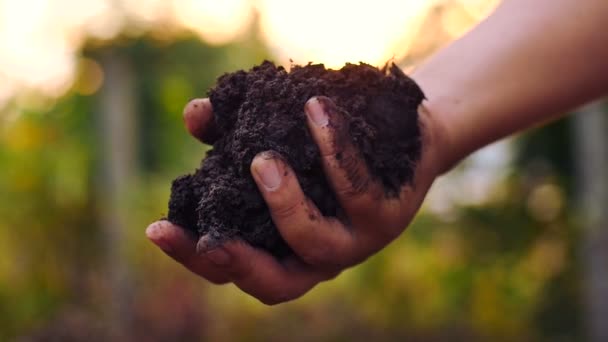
(374, 110)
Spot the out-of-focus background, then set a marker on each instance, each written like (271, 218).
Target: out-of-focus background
(512, 245)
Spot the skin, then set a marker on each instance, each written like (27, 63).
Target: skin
(526, 64)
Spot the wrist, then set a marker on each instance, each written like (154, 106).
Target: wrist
(446, 115)
(439, 150)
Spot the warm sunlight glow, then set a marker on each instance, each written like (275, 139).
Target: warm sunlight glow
(479, 9)
(40, 39)
(335, 32)
(216, 21)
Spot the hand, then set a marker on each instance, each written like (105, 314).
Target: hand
(323, 246)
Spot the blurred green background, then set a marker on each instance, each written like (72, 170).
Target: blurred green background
(507, 247)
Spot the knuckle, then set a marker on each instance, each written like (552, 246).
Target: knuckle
(351, 176)
(328, 147)
(283, 209)
(355, 172)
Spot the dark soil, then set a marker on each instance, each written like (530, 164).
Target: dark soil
(263, 109)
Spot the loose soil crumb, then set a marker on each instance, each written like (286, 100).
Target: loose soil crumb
(263, 109)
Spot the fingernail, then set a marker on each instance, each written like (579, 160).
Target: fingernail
(268, 171)
(316, 113)
(218, 256)
(154, 233)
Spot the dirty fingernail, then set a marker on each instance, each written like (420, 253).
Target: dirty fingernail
(268, 171)
(218, 256)
(316, 113)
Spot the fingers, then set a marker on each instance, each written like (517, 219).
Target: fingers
(179, 245)
(198, 117)
(318, 241)
(344, 167)
(252, 270)
(262, 276)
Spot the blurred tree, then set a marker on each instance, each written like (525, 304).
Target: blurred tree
(591, 148)
(118, 137)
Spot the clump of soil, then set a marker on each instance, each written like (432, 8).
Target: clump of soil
(263, 109)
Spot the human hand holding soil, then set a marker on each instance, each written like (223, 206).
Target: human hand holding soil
(521, 67)
(322, 246)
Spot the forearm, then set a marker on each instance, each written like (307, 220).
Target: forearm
(526, 64)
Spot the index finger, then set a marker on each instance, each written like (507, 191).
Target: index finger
(359, 195)
(199, 120)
